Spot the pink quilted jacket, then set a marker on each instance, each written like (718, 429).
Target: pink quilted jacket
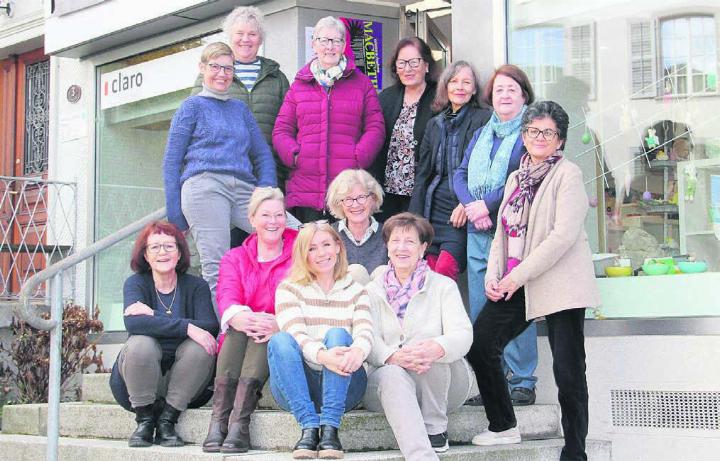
(239, 281)
(318, 134)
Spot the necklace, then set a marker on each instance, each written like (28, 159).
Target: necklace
(168, 309)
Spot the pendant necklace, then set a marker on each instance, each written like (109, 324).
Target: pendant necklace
(168, 309)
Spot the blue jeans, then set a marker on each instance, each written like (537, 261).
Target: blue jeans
(323, 396)
(520, 357)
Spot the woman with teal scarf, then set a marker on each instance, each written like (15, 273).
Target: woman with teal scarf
(479, 183)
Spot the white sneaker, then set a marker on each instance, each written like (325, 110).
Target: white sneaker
(486, 438)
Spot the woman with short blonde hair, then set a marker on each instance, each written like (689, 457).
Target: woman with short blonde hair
(316, 360)
(353, 197)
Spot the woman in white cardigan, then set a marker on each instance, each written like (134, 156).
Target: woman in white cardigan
(417, 373)
(539, 266)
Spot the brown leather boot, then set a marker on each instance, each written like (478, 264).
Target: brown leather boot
(223, 397)
(246, 400)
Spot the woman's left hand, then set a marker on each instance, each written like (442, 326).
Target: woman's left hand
(424, 353)
(261, 327)
(458, 218)
(352, 359)
(508, 286)
(203, 338)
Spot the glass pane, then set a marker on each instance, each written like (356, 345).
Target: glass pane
(656, 105)
(37, 102)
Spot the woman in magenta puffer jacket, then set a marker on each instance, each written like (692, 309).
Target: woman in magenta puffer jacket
(330, 121)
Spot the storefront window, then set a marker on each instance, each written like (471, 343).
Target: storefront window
(137, 98)
(640, 85)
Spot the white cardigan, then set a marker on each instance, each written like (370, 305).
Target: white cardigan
(435, 312)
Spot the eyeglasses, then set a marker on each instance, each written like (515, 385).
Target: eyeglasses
(360, 199)
(414, 63)
(547, 134)
(215, 68)
(333, 42)
(319, 222)
(169, 247)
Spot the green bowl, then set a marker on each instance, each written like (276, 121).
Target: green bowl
(618, 271)
(655, 268)
(692, 267)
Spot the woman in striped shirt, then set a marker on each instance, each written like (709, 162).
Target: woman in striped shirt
(316, 359)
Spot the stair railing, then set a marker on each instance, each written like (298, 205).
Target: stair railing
(22, 310)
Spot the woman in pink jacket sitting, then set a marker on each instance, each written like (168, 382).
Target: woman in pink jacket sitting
(330, 121)
(246, 286)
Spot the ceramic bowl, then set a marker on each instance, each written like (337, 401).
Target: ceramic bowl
(655, 268)
(692, 267)
(618, 271)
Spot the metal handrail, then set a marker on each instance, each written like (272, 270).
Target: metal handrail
(22, 311)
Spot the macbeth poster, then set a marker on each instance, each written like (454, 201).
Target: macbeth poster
(364, 44)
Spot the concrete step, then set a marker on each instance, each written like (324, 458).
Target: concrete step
(27, 448)
(270, 430)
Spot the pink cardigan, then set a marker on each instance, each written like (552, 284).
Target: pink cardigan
(239, 281)
(320, 133)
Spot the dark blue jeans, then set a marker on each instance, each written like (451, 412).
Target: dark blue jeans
(314, 397)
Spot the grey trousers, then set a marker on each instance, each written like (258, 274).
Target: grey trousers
(241, 357)
(417, 405)
(139, 366)
(213, 203)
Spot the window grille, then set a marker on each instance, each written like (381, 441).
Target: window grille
(37, 84)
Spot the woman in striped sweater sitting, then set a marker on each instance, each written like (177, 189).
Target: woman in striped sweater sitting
(316, 359)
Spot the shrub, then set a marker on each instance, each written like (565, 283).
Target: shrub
(29, 356)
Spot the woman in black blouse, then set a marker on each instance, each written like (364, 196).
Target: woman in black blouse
(406, 108)
(167, 362)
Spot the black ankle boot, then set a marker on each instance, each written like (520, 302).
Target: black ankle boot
(329, 446)
(306, 447)
(165, 434)
(143, 435)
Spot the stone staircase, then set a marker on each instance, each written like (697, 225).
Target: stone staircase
(97, 429)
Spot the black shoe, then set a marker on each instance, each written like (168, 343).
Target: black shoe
(307, 446)
(475, 401)
(439, 442)
(521, 396)
(165, 434)
(329, 446)
(143, 435)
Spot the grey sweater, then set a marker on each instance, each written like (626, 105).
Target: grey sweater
(370, 254)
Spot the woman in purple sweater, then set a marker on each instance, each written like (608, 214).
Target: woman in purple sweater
(215, 157)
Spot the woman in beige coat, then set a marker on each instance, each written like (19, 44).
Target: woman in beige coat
(417, 374)
(539, 266)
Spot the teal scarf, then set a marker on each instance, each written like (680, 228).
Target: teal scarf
(485, 175)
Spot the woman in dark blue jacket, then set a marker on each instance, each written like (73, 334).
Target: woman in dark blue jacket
(447, 135)
(167, 362)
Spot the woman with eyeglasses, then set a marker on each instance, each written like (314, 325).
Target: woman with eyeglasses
(215, 157)
(316, 360)
(353, 198)
(330, 121)
(249, 275)
(479, 182)
(167, 362)
(540, 266)
(406, 109)
(446, 138)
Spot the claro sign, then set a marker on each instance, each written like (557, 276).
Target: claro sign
(149, 79)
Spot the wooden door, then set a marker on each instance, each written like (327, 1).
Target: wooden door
(24, 97)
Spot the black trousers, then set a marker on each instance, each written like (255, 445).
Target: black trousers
(499, 323)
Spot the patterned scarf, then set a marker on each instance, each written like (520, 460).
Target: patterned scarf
(328, 77)
(399, 295)
(516, 213)
(484, 174)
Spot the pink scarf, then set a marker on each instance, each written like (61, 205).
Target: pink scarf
(399, 295)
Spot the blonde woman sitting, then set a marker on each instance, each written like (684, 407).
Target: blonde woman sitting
(316, 359)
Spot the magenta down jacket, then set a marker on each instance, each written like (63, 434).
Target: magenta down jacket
(318, 134)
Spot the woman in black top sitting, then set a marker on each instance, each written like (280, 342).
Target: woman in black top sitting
(167, 363)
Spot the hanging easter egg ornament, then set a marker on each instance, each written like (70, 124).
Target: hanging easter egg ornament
(586, 138)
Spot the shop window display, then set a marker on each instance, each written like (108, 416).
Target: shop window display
(644, 114)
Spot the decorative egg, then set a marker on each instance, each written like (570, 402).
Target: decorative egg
(586, 138)
(647, 195)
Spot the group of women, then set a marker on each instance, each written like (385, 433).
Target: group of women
(363, 310)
